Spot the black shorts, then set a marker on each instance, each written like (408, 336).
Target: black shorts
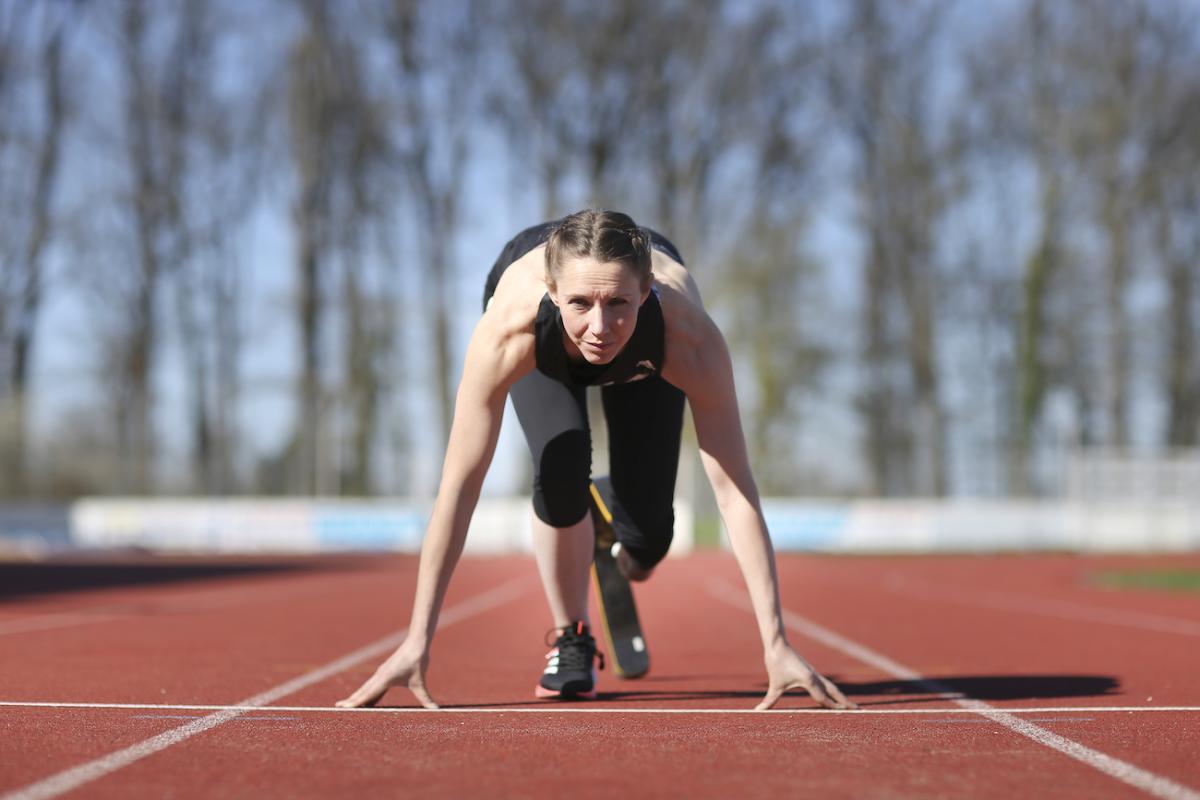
(645, 422)
(645, 419)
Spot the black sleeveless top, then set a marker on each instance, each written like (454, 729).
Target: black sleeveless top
(642, 355)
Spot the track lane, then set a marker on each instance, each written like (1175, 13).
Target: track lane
(1024, 656)
(706, 655)
(1011, 656)
(86, 771)
(186, 642)
(511, 755)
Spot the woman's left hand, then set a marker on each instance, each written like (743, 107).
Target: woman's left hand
(787, 670)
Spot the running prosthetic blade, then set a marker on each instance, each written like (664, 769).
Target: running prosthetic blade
(618, 612)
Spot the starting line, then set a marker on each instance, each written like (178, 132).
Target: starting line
(572, 710)
(1130, 774)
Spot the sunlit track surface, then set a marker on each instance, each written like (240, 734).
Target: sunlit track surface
(1118, 769)
(561, 709)
(944, 697)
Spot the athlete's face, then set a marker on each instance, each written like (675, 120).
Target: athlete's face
(599, 305)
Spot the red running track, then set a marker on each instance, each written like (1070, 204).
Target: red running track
(1041, 659)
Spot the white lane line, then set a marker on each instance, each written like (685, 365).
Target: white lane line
(1137, 777)
(1049, 608)
(155, 605)
(77, 776)
(989, 722)
(576, 709)
(44, 622)
(196, 716)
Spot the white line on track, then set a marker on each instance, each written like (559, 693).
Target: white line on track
(77, 776)
(980, 721)
(583, 709)
(1137, 777)
(148, 606)
(45, 622)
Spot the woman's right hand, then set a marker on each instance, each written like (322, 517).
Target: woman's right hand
(406, 666)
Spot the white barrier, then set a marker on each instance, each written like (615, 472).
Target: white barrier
(978, 525)
(503, 525)
(245, 525)
(257, 525)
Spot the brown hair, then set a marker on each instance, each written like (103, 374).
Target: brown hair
(602, 235)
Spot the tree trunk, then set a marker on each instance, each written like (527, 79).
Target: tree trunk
(930, 430)
(226, 293)
(1117, 285)
(308, 388)
(313, 91)
(438, 279)
(1183, 366)
(876, 397)
(362, 381)
(1031, 330)
(147, 200)
(31, 297)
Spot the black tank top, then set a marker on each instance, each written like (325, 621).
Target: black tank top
(642, 355)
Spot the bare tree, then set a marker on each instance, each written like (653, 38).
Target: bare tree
(1019, 85)
(1173, 191)
(1182, 372)
(705, 120)
(20, 305)
(312, 95)
(1106, 53)
(1122, 57)
(769, 292)
(641, 107)
(581, 101)
(135, 338)
(336, 145)
(369, 297)
(692, 114)
(767, 282)
(212, 170)
(532, 42)
(437, 89)
(879, 86)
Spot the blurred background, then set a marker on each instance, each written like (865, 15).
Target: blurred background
(954, 246)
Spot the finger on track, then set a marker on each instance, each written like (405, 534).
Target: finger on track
(417, 687)
(833, 691)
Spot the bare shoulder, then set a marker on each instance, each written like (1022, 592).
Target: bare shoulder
(670, 275)
(692, 338)
(504, 336)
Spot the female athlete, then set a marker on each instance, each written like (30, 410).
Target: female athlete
(595, 300)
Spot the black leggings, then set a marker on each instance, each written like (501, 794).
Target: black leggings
(645, 420)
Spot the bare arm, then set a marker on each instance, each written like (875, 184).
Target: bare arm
(723, 454)
(478, 410)
(713, 400)
(494, 362)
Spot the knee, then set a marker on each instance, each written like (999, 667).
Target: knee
(631, 568)
(655, 528)
(560, 481)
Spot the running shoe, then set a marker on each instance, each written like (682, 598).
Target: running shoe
(570, 666)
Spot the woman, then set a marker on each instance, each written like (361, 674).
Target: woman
(595, 300)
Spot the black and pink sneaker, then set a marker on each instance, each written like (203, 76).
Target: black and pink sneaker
(570, 672)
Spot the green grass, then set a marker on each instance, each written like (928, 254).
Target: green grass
(707, 533)
(1176, 580)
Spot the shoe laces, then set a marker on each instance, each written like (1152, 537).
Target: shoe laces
(574, 646)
